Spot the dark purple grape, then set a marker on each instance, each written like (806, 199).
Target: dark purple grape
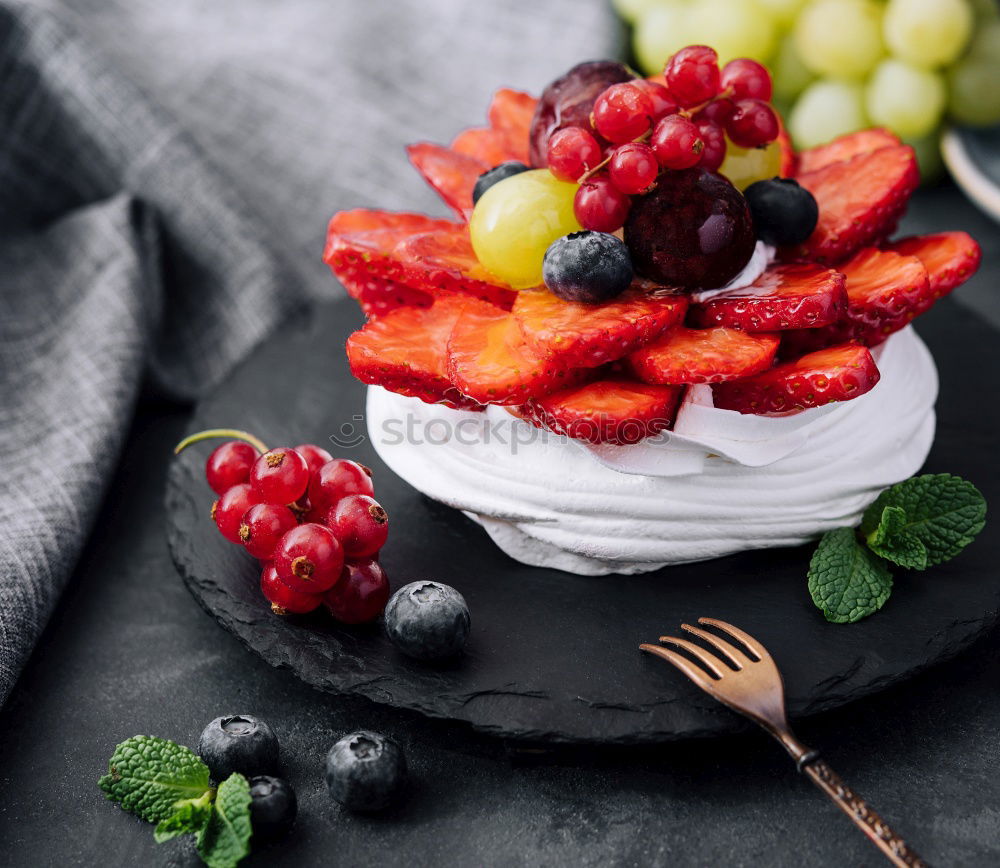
(694, 230)
(568, 101)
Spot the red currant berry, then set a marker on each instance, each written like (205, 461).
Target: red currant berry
(692, 75)
(315, 456)
(633, 167)
(229, 465)
(282, 598)
(600, 205)
(714, 151)
(361, 525)
(663, 105)
(280, 476)
(753, 124)
(572, 151)
(677, 143)
(623, 112)
(228, 510)
(717, 111)
(309, 558)
(263, 525)
(361, 593)
(337, 479)
(747, 79)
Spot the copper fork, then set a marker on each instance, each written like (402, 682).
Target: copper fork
(755, 689)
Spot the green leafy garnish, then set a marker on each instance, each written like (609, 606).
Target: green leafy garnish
(167, 784)
(846, 580)
(915, 524)
(147, 776)
(189, 818)
(942, 511)
(226, 838)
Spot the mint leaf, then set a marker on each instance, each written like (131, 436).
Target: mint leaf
(190, 816)
(846, 580)
(943, 512)
(225, 839)
(147, 776)
(892, 541)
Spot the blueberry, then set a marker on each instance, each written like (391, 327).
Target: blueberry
(272, 809)
(427, 620)
(492, 176)
(365, 771)
(238, 743)
(587, 266)
(783, 212)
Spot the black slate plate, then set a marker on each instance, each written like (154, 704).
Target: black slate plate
(553, 657)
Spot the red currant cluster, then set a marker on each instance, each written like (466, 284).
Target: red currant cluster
(311, 520)
(641, 127)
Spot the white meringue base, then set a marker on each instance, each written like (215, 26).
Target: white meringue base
(720, 483)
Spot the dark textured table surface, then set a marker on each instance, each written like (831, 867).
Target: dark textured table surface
(129, 651)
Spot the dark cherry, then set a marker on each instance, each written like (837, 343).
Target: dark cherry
(569, 100)
(693, 230)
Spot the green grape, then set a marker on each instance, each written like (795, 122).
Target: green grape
(734, 28)
(633, 10)
(791, 76)
(825, 110)
(985, 43)
(782, 11)
(928, 151)
(905, 98)
(973, 94)
(516, 220)
(927, 33)
(840, 38)
(659, 32)
(743, 166)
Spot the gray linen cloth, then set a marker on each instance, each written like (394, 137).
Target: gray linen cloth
(166, 173)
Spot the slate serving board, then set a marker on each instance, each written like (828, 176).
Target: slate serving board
(553, 657)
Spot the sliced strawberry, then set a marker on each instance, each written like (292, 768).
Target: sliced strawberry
(703, 356)
(510, 114)
(451, 174)
(844, 148)
(377, 296)
(859, 200)
(885, 291)
(798, 295)
(484, 144)
(424, 253)
(581, 335)
(618, 411)
(406, 352)
(950, 258)
(489, 360)
(836, 374)
(789, 159)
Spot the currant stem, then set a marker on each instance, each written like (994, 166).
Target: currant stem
(229, 433)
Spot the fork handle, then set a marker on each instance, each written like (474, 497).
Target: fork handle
(879, 832)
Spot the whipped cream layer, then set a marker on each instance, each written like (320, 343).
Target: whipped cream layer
(720, 483)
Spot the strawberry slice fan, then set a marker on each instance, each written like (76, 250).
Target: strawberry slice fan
(443, 329)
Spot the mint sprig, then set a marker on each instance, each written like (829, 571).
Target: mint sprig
(915, 524)
(168, 784)
(225, 839)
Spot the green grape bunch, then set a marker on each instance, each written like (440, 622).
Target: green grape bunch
(844, 65)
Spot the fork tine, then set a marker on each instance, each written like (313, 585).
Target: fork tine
(712, 662)
(697, 675)
(731, 652)
(737, 633)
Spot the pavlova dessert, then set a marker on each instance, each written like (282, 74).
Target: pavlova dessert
(653, 333)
